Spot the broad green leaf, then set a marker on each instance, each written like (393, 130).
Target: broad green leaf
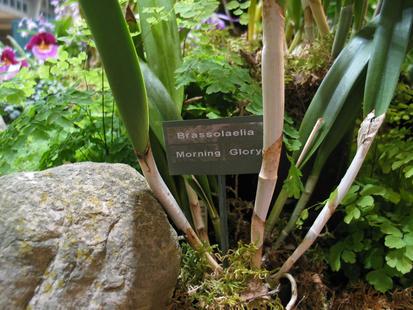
(374, 259)
(294, 12)
(351, 195)
(192, 12)
(292, 183)
(333, 196)
(352, 213)
(365, 201)
(408, 238)
(398, 260)
(161, 43)
(161, 105)
(360, 9)
(380, 280)
(335, 88)
(335, 255)
(376, 190)
(409, 173)
(390, 45)
(232, 5)
(120, 61)
(348, 256)
(389, 229)
(343, 27)
(394, 242)
(409, 252)
(12, 95)
(342, 125)
(397, 164)
(43, 72)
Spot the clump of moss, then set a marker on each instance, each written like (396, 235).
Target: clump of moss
(305, 69)
(238, 287)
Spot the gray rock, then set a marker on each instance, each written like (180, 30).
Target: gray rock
(84, 236)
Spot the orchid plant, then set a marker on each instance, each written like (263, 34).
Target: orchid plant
(141, 52)
(373, 45)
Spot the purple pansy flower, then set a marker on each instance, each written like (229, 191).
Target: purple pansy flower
(43, 46)
(9, 65)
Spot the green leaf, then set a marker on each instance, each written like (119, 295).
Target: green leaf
(390, 45)
(292, 183)
(409, 252)
(376, 190)
(352, 213)
(120, 60)
(348, 256)
(398, 260)
(232, 5)
(301, 219)
(409, 173)
(12, 95)
(245, 5)
(380, 280)
(43, 72)
(365, 201)
(351, 195)
(389, 229)
(335, 88)
(161, 105)
(408, 238)
(394, 242)
(335, 255)
(162, 44)
(374, 259)
(294, 10)
(193, 12)
(238, 12)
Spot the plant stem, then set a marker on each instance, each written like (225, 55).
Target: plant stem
(112, 119)
(319, 16)
(294, 291)
(309, 141)
(251, 20)
(196, 213)
(368, 130)
(276, 211)
(308, 22)
(296, 40)
(361, 6)
(103, 114)
(161, 191)
(223, 213)
(273, 107)
(344, 25)
(283, 195)
(206, 195)
(302, 202)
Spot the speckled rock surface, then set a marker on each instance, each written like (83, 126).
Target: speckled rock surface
(84, 236)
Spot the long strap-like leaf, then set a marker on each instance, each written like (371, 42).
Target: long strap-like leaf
(390, 46)
(333, 91)
(120, 60)
(161, 43)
